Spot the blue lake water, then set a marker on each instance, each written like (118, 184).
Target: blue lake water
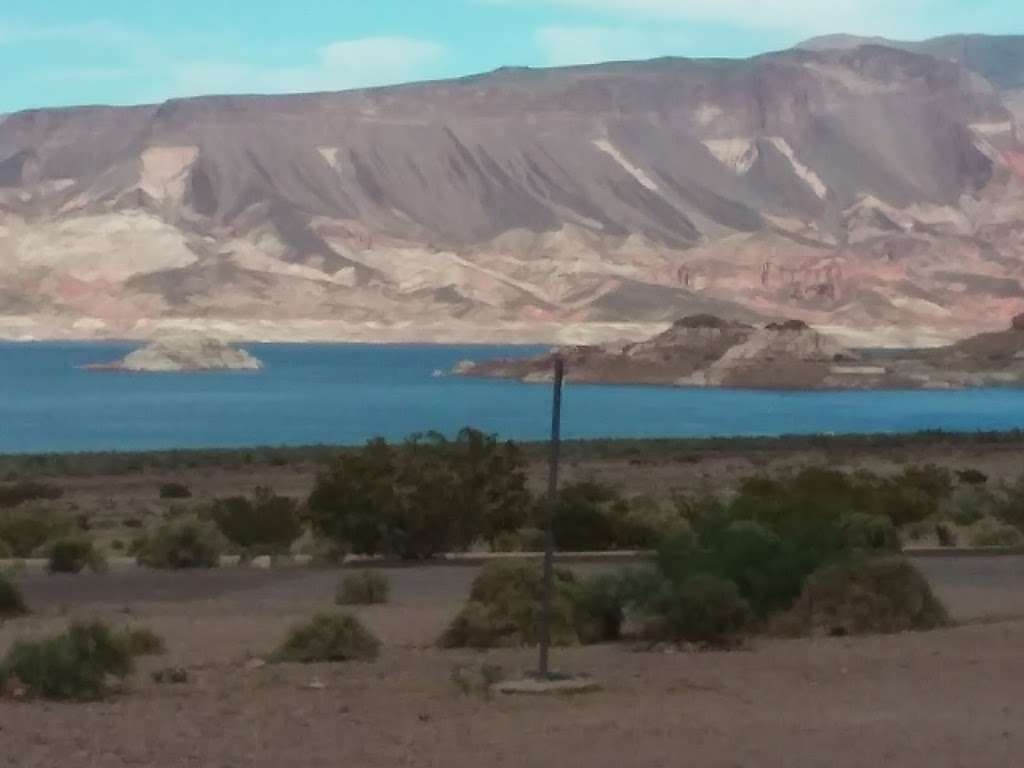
(348, 393)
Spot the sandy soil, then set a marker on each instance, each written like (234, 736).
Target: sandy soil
(947, 698)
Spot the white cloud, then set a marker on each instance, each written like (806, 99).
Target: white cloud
(341, 65)
(566, 45)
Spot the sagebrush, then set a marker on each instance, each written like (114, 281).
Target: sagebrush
(328, 637)
(75, 665)
(364, 588)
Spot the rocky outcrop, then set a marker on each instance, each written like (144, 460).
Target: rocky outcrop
(705, 351)
(184, 355)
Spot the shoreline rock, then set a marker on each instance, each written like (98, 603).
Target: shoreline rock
(182, 355)
(704, 351)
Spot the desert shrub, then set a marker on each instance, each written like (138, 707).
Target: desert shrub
(946, 536)
(997, 536)
(523, 540)
(504, 609)
(74, 665)
(13, 494)
(364, 588)
(328, 637)
(583, 517)
(476, 679)
(170, 676)
(27, 529)
(972, 504)
(142, 641)
(175, 491)
(12, 604)
(916, 493)
(181, 543)
(870, 595)
(1010, 507)
(913, 495)
(971, 476)
(703, 608)
(873, 533)
(647, 522)
(73, 554)
(599, 610)
(265, 524)
(423, 497)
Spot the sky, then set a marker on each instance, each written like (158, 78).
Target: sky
(69, 52)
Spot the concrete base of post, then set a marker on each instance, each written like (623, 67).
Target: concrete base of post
(554, 685)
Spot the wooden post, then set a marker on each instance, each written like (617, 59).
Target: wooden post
(544, 670)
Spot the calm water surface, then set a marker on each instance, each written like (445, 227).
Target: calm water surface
(347, 393)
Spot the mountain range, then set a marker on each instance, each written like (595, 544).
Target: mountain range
(871, 188)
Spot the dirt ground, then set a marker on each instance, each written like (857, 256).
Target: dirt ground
(946, 698)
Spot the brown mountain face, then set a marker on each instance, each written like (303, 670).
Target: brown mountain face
(874, 191)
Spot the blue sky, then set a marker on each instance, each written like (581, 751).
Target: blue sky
(61, 52)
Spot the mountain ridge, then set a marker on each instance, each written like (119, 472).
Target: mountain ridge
(873, 191)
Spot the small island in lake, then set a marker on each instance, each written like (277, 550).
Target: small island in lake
(708, 351)
(182, 355)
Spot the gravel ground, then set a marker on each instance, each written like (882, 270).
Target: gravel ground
(947, 698)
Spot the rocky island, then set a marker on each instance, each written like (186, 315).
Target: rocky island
(708, 351)
(185, 354)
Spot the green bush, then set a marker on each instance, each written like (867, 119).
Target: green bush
(27, 529)
(997, 536)
(870, 595)
(972, 504)
(523, 540)
(872, 533)
(504, 609)
(265, 524)
(916, 494)
(598, 610)
(73, 555)
(180, 543)
(703, 609)
(328, 637)
(12, 604)
(584, 517)
(13, 494)
(946, 536)
(1010, 508)
(971, 477)
(175, 491)
(364, 588)
(141, 641)
(74, 665)
(423, 497)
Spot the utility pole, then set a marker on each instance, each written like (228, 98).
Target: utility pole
(544, 670)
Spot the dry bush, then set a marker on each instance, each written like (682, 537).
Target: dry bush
(75, 665)
(504, 609)
(867, 596)
(181, 543)
(12, 604)
(328, 637)
(73, 554)
(364, 588)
